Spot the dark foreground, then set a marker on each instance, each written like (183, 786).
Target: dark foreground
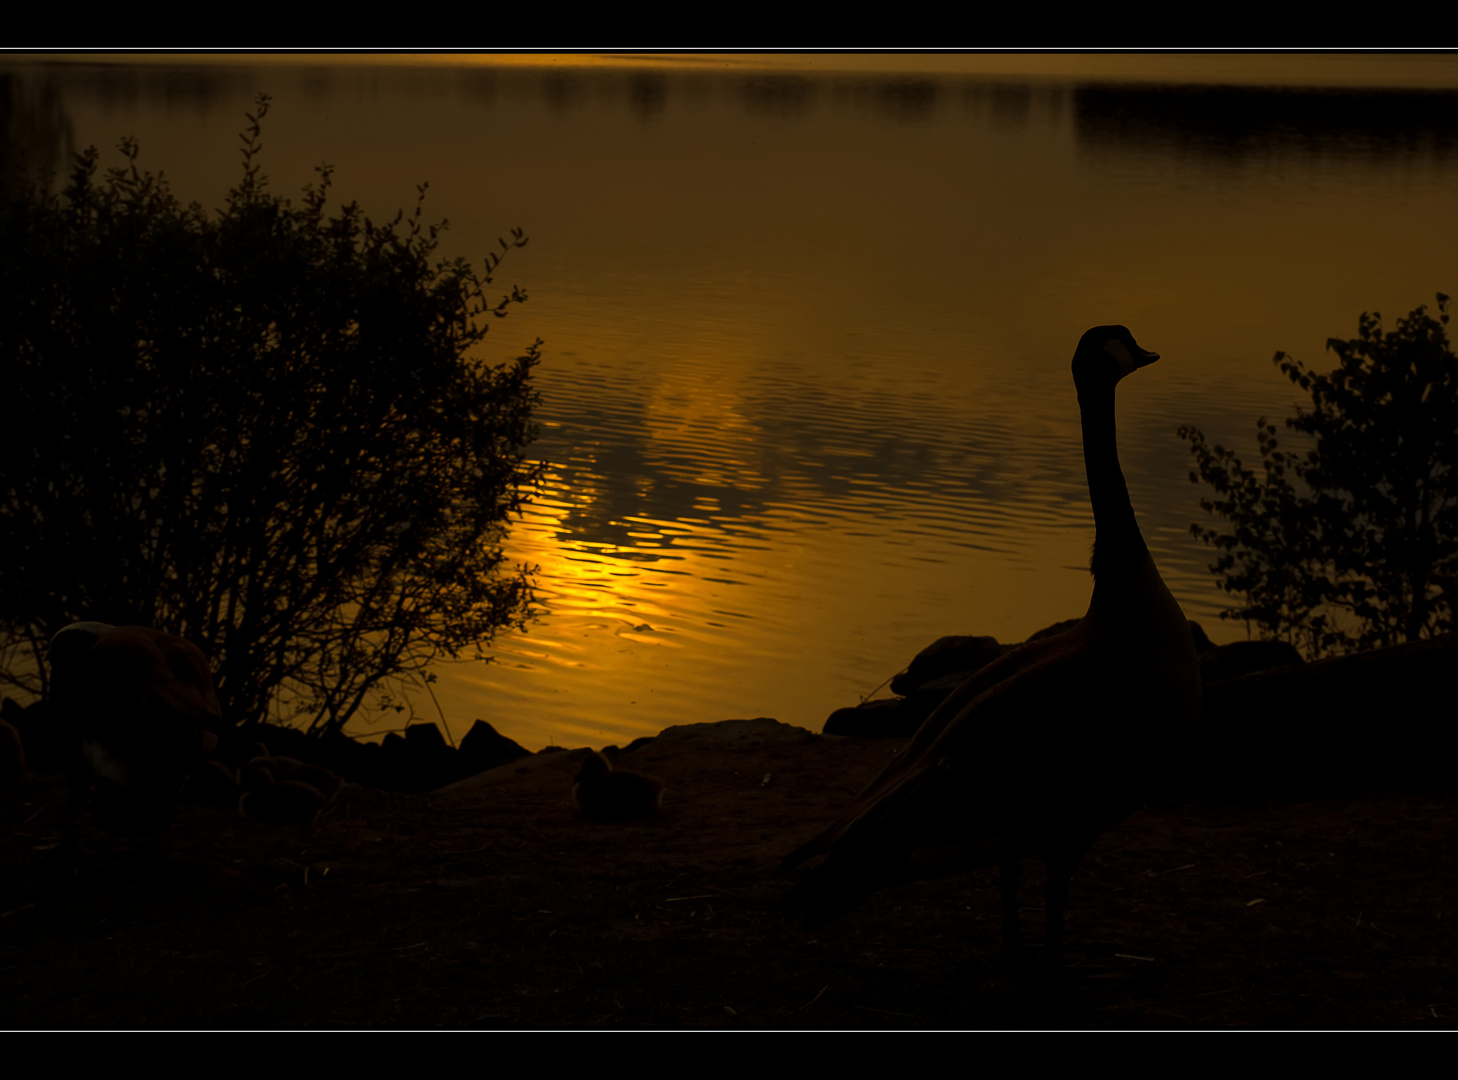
(492, 904)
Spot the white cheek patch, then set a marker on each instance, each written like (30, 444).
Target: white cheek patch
(1115, 348)
(106, 766)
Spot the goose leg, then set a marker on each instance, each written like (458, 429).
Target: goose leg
(1009, 872)
(1060, 865)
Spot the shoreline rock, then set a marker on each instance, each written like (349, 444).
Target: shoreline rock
(1272, 722)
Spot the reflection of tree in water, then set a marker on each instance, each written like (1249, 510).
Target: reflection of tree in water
(647, 94)
(35, 132)
(778, 95)
(1233, 123)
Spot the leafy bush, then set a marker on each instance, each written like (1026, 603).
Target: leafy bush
(266, 430)
(1353, 544)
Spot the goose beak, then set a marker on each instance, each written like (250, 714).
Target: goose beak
(1127, 354)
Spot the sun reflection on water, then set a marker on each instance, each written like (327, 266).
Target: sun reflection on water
(805, 390)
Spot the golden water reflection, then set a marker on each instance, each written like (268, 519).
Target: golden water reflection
(806, 400)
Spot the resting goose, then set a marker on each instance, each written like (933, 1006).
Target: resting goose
(284, 790)
(603, 793)
(140, 716)
(1046, 748)
(280, 802)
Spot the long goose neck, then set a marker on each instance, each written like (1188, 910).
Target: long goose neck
(1118, 545)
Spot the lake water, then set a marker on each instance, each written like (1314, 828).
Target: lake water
(805, 395)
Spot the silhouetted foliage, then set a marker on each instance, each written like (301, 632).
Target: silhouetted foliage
(1353, 544)
(264, 430)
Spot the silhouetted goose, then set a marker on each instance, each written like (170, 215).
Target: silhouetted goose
(284, 790)
(1049, 746)
(139, 708)
(257, 772)
(283, 802)
(607, 794)
(328, 784)
(214, 784)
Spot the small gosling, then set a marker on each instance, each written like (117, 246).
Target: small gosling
(284, 791)
(603, 793)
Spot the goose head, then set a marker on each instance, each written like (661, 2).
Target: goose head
(71, 643)
(1105, 355)
(594, 768)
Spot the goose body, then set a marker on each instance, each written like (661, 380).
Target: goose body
(140, 715)
(603, 793)
(1046, 748)
(284, 790)
(281, 802)
(214, 784)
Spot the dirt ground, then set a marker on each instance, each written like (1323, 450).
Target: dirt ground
(493, 904)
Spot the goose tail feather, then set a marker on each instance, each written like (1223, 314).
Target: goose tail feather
(806, 851)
